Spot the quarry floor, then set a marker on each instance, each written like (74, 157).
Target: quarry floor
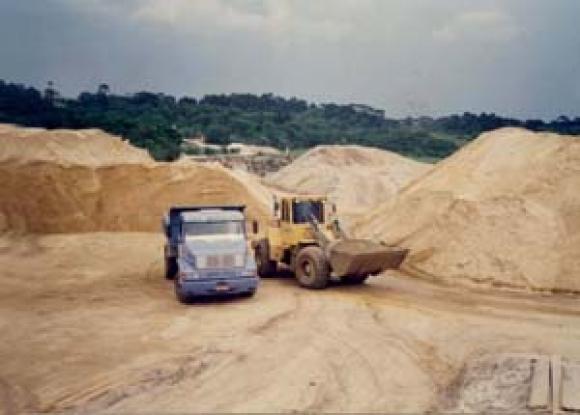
(89, 324)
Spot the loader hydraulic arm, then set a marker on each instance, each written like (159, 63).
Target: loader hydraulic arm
(320, 237)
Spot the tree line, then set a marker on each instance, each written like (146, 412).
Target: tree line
(160, 122)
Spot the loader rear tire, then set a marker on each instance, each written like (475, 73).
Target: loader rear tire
(311, 268)
(266, 267)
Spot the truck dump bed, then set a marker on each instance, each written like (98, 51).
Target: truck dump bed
(172, 221)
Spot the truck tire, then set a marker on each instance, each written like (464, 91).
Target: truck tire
(311, 268)
(249, 293)
(170, 267)
(266, 267)
(354, 279)
(181, 296)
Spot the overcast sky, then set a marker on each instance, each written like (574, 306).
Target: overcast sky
(410, 57)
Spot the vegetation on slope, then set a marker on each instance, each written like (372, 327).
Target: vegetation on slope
(159, 122)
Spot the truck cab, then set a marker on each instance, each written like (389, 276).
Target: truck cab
(207, 252)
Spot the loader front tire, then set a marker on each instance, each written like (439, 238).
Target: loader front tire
(266, 267)
(311, 268)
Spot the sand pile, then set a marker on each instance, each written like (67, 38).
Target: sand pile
(81, 181)
(356, 178)
(257, 190)
(504, 210)
(66, 147)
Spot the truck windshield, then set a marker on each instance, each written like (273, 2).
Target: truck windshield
(232, 228)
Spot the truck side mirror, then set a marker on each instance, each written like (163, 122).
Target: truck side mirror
(255, 227)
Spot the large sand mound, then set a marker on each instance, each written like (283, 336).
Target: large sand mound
(66, 147)
(505, 210)
(356, 178)
(81, 181)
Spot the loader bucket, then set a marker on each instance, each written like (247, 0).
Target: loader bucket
(359, 257)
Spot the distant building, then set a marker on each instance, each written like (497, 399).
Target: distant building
(251, 150)
(198, 142)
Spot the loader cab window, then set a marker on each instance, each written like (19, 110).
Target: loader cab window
(303, 211)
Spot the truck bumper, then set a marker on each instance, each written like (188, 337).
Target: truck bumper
(214, 287)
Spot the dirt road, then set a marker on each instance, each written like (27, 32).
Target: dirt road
(89, 324)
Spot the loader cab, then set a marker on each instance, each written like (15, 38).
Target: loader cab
(293, 224)
(299, 211)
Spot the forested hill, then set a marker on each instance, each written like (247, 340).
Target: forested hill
(160, 122)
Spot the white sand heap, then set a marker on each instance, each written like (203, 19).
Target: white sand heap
(504, 210)
(81, 181)
(356, 178)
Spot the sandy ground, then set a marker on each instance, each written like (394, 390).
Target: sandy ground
(89, 324)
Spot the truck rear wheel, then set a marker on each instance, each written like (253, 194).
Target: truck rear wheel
(354, 279)
(311, 268)
(266, 267)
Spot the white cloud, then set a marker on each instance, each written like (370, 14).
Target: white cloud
(271, 17)
(482, 25)
(181, 12)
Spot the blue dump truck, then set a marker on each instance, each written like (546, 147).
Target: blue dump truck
(207, 252)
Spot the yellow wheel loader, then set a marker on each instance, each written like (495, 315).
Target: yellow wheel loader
(307, 237)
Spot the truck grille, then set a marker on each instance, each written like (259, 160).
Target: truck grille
(221, 261)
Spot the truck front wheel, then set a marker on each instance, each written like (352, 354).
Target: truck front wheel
(311, 268)
(170, 267)
(180, 294)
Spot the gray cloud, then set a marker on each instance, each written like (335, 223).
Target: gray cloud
(513, 57)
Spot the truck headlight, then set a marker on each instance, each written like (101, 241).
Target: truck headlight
(249, 272)
(188, 275)
(239, 260)
(250, 267)
(201, 261)
(250, 261)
